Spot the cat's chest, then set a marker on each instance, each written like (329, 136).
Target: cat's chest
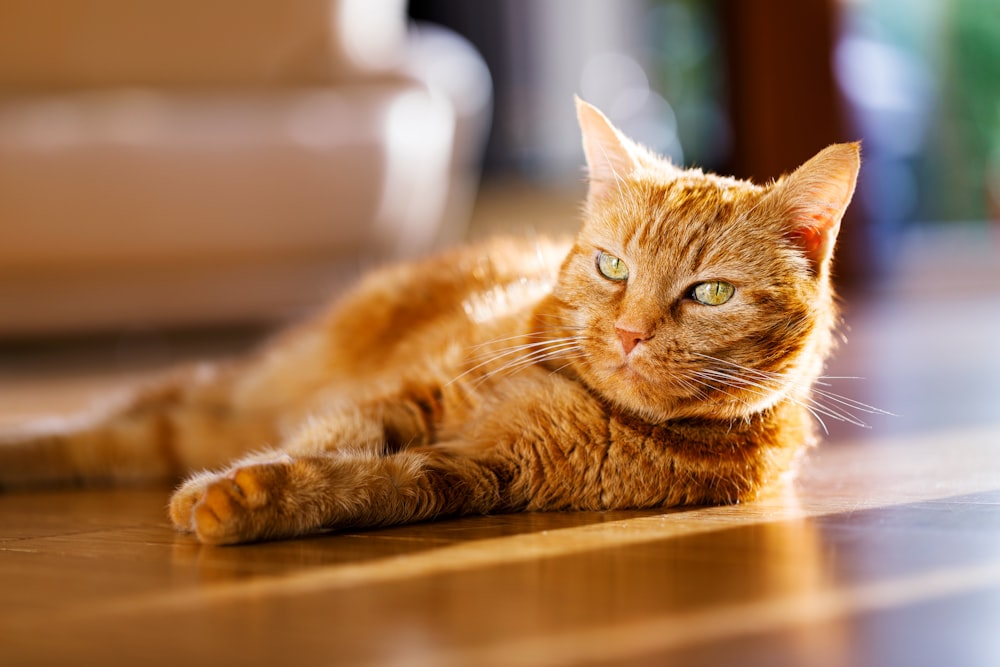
(531, 403)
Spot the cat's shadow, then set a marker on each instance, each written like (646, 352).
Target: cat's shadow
(373, 553)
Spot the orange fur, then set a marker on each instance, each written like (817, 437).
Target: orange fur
(510, 375)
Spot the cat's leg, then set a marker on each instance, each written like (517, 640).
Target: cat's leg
(315, 482)
(371, 429)
(300, 495)
(196, 417)
(187, 420)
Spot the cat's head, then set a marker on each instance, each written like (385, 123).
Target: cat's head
(695, 295)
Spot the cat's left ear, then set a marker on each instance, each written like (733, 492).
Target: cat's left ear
(814, 198)
(611, 156)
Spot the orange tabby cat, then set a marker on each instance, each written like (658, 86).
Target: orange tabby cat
(665, 357)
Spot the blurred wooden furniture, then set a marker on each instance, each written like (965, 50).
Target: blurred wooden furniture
(205, 161)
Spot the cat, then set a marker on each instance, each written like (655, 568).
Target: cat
(664, 357)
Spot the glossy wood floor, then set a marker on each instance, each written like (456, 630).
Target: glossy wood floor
(884, 551)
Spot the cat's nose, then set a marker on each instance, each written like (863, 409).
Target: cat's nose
(630, 338)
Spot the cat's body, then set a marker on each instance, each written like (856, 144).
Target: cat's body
(664, 357)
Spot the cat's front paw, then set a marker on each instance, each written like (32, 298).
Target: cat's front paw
(188, 495)
(242, 505)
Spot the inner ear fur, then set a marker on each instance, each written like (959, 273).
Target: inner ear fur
(812, 200)
(610, 155)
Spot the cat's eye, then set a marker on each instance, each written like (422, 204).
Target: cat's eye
(611, 267)
(713, 292)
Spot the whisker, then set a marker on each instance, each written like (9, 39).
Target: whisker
(830, 404)
(504, 339)
(688, 385)
(745, 369)
(551, 350)
(517, 366)
(815, 406)
(518, 348)
(490, 357)
(813, 410)
(715, 387)
(692, 386)
(535, 355)
(853, 404)
(569, 360)
(745, 382)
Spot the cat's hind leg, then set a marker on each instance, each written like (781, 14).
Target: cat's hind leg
(191, 418)
(183, 421)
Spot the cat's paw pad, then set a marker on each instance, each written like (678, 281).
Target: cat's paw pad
(184, 499)
(240, 506)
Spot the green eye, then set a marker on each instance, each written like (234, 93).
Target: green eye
(713, 292)
(611, 267)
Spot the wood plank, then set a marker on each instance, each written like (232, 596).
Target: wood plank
(861, 533)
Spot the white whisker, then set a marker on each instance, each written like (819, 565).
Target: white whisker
(519, 336)
(814, 406)
(506, 352)
(852, 404)
(765, 391)
(764, 383)
(518, 348)
(518, 365)
(516, 357)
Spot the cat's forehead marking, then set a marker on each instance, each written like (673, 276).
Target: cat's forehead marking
(714, 187)
(679, 224)
(687, 227)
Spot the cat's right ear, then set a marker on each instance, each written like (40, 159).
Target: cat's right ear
(814, 198)
(610, 155)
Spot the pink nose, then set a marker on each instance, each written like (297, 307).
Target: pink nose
(630, 338)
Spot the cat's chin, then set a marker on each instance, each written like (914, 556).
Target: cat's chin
(627, 386)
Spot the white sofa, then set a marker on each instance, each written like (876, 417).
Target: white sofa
(187, 162)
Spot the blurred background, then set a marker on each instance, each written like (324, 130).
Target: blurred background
(177, 178)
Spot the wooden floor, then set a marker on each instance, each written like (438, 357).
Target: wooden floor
(884, 551)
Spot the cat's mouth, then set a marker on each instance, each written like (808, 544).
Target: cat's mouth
(638, 378)
(637, 364)
(629, 372)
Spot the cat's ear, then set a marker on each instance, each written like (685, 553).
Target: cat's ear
(611, 156)
(814, 198)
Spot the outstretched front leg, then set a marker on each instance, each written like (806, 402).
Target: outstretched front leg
(383, 463)
(510, 456)
(299, 495)
(364, 465)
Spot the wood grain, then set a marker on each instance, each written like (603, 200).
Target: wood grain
(99, 577)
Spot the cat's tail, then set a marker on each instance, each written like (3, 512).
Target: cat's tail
(183, 422)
